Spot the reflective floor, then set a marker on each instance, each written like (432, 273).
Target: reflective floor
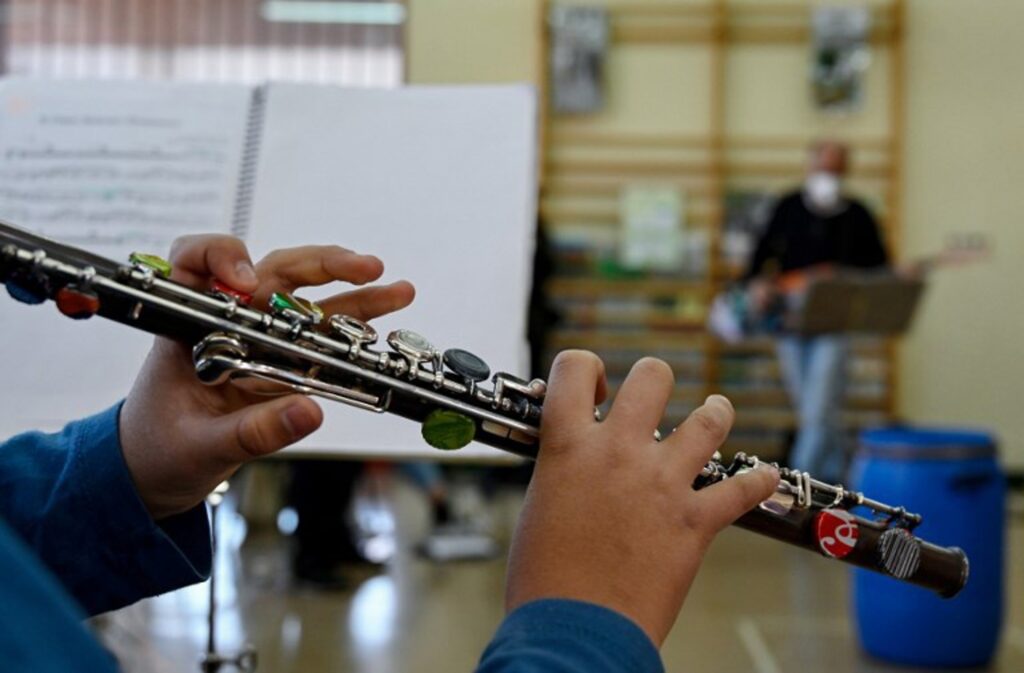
(756, 606)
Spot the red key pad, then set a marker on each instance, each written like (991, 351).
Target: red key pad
(77, 303)
(242, 297)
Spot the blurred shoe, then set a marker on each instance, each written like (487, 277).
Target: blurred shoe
(339, 572)
(455, 542)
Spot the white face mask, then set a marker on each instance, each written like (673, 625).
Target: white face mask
(822, 189)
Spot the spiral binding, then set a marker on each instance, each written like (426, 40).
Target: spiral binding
(250, 161)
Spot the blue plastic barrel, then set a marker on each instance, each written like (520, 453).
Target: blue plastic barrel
(951, 478)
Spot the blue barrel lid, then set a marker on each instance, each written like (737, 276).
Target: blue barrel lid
(909, 443)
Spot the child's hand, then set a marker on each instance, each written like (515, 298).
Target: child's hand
(611, 516)
(181, 438)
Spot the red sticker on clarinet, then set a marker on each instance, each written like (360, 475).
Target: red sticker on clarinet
(836, 531)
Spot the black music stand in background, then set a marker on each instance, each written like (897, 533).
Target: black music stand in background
(245, 660)
(857, 303)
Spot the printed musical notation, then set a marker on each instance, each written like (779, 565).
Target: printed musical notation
(105, 153)
(113, 216)
(120, 166)
(113, 174)
(106, 195)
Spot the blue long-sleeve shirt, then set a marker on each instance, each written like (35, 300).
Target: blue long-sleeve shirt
(76, 540)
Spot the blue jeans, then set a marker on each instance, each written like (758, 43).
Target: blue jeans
(814, 371)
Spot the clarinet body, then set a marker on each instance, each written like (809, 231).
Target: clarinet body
(451, 393)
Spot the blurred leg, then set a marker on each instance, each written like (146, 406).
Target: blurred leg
(820, 448)
(790, 351)
(429, 477)
(321, 492)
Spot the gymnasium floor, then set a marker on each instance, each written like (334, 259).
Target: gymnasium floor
(757, 606)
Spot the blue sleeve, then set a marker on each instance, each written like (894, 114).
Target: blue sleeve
(565, 636)
(41, 627)
(71, 499)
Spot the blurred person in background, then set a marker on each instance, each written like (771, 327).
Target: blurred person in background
(325, 541)
(812, 230)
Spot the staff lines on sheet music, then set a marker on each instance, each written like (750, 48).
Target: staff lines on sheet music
(103, 195)
(105, 153)
(115, 217)
(72, 172)
(93, 120)
(91, 239)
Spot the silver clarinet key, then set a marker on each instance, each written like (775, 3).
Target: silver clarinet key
(505, 383)
(413, 347)
(354, 331)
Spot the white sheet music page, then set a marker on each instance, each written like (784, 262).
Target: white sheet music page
(120, 166)
(113, 167)
(440, 183)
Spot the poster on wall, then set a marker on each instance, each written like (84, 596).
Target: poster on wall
(579, 42)
(840, 57)
(652, 236)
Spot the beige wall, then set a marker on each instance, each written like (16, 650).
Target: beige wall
(473, 41)
(964, 362)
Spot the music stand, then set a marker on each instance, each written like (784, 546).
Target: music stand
(866, 303)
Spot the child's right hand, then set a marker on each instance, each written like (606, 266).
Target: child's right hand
(611, 516)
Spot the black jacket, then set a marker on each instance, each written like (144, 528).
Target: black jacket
(796, 238)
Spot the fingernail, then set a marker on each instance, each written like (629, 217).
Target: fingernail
(298, 421)
(721, 400)
(720, 407)
(246, 272)
(771, 469)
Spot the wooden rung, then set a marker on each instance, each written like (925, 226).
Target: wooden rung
(622, 167)
(670, 167)
(764, 22)
(875, 170)
(560, 136)
(613, 188)
(598, 339)
(741, 33)
(563, 136)
(763, 346)
(791, 10)
(778, 397)
(602, 287)
(628, 10)
(794, 34)
(772, 371)
(784, 420)
(802, 143)
(609, 214)
(588, 316)
(654, 33)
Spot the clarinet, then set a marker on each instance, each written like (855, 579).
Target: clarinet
(451, 393)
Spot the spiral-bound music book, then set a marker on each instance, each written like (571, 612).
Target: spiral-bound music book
(439, 182)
